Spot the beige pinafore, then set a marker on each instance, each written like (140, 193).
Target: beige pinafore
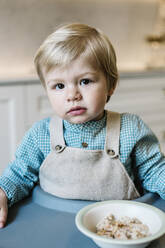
(76, 173)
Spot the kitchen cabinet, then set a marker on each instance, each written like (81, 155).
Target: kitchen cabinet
(145, 97)
(12, 122)
(38, 106)
(23, 103)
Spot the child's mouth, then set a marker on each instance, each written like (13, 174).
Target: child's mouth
(76, 111)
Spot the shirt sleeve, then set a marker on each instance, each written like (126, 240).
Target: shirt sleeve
(149, 159)
(20, 176)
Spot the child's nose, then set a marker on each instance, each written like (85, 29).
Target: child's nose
(74, 95)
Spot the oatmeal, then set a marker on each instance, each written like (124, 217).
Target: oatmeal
(123, 228)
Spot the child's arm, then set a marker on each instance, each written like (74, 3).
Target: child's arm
(3, 208)
(148, 159)
(22, 174)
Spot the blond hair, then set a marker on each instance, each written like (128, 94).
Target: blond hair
(71, 41)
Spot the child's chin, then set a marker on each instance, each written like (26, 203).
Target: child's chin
(77, 120)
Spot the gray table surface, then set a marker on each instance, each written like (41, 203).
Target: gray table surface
(43, 220)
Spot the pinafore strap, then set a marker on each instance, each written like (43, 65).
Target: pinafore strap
(112, 134)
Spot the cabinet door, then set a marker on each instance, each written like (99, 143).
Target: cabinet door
(12, 121)
(145, 97)
(38, 106)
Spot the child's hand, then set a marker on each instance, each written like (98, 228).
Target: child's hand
(3, 208)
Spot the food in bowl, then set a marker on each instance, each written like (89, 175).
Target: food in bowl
(123, 228)
(88, 218)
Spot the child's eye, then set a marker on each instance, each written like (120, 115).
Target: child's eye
(59, 86)
(85, 81)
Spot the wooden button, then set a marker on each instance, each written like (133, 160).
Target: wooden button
(84, 144)
(58, 148)
(111, 152)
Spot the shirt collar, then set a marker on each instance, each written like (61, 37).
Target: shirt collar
(90, 126)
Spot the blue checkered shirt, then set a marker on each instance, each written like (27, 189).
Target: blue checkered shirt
(139, 151)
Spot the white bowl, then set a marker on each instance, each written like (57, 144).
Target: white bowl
(88, 217)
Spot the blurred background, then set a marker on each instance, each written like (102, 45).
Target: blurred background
(25, 24)
(137, 31)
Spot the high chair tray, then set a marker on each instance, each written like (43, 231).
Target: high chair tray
(43, 220)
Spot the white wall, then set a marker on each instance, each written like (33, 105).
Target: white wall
(25, 24)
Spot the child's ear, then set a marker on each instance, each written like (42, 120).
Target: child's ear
(110, 92)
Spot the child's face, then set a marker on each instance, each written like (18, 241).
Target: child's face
(77, 92)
